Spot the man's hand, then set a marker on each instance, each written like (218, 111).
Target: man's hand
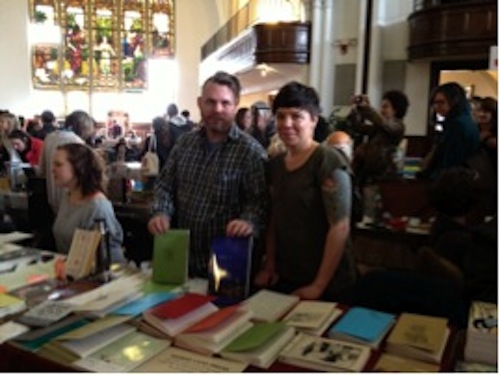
(158, 224)
(311, 292)
(239, 228)
(266, 278)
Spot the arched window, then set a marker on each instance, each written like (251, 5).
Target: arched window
(98, 45)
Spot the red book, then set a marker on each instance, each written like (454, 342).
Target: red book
(178, 307)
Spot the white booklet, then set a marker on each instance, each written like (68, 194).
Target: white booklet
(323, 354)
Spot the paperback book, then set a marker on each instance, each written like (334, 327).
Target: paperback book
(312, 317)
(363, 326)
(324, 354)
(212, 334)
(260, 345)
(179, 360)
(124, 354)
(481, 336)
(269, 306)
(174, 316)
(229, 268)
(419, 337)
(171, 257)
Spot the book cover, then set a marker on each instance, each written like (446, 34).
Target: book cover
(313, 317)
(10, 305)
(419, 337)
(71, 349)
(481, 337)
(324, 354)
(179, 360)
(229, 268)
(144, 303)
(81, 256)
(171, 257)
(172, 317)
(269, 306)
(124, 354)
(260, 345)
(393, 363)
(46, 313)
(363, 326)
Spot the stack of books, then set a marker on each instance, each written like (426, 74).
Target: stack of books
(85, 340)
(363, 326)
(419, 337)
(481, 340)
(312, 317)
(323, 354)
(212, 334)
(260, 345)
(174, 316)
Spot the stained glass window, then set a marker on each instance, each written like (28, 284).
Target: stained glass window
(100, 45)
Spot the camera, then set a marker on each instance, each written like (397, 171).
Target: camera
(358, 99)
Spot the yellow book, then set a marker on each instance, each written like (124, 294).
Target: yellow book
(420, 337)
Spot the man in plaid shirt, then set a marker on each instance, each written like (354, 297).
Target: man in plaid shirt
(214, 180)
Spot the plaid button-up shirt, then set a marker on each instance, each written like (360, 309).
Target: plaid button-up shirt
(203, 186)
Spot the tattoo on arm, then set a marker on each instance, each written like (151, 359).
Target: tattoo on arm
(336, 191)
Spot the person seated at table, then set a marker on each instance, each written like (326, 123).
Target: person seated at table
(307, 252)
(29, 148)
(77, 168)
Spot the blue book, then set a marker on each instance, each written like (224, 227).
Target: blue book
(229, 269)
(363, 326)
(142, 304)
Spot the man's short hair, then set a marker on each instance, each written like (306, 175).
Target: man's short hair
(48, 117)
(226, 79)
(172, 110)
(81, 123)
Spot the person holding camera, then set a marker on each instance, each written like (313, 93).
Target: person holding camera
(381, 131)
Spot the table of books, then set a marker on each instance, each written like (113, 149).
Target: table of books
(134, 325)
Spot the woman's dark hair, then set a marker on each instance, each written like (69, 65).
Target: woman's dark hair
(297, 95)
(21, 135)
(489, 104)
(399, 102)
(88, 168)
(159, 123)
(455, 95)
(453, 192)
(240, 115)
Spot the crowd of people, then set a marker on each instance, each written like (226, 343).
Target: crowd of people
(276, 172)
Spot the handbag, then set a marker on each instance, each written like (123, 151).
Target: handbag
(150, 161)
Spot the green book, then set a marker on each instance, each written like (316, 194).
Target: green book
(171, 256)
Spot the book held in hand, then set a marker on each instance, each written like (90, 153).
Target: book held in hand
(419, 337)
(174, 316)
(362, 325)
(324, 354)
(171, 257)
(229, 268)
(260, 345)
(312, 317)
